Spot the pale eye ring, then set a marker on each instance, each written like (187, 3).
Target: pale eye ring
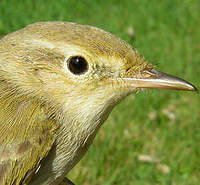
(77, 65)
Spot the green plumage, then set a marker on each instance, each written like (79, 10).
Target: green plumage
(23, 115)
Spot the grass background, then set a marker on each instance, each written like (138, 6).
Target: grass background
(151, 138)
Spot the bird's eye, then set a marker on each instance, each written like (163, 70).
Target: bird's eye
(77, 65)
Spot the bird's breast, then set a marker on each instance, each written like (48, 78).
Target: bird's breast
(66, 152)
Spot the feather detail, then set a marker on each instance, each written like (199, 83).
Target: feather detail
(27, 135)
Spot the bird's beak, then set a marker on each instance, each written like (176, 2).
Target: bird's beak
(156, 79)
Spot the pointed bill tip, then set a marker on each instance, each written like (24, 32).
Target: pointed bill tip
(156, 79)
(171, 82)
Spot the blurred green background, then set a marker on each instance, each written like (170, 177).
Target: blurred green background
(151, 138)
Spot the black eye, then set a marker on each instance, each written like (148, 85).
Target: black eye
(77, 65)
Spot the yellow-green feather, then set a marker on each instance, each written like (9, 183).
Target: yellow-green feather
(26, 133)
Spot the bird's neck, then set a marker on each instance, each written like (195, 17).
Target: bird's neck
(73, 140)
(80, 124)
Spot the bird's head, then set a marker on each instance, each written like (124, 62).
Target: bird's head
(82, 68)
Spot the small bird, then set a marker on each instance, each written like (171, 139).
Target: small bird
(58, 83)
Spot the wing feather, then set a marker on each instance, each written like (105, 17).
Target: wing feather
(27, 134)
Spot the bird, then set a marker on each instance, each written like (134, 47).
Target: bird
(59, 81)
